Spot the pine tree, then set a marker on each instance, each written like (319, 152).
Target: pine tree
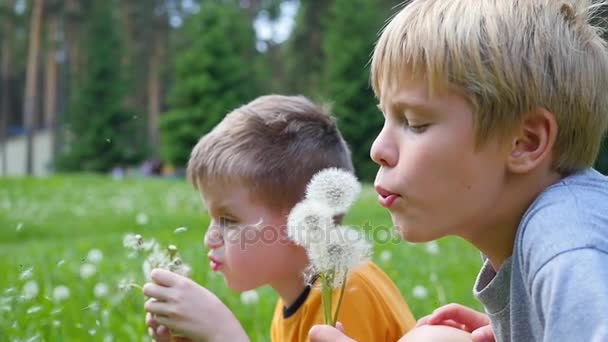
(99, 130)
(213, 76)
(352, 29)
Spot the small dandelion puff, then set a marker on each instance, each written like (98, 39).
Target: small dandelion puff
(10, 290)
(420, 292)
(92, 332)
(60, 263)
(125, 285)
(56, 323)
(97, 323)
(308, 222)
(386, 256)
(108, 140)
(61, 293)
(141, 219)
(180, 230)
(432, 248)
(33, 338)
(334, 187)
(56, 311)
(94, 256)
(179, 267)
(100, 290)
(87, 270)
(26, 274)
(33, 309)
(30, 290)
(250, 297)
(19, 226)
(108, 338)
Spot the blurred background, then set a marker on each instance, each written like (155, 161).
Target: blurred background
(98, 88)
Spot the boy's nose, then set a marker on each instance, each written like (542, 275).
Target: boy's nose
(384, 151)
(213, 238)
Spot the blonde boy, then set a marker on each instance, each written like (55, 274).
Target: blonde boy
(251, 170)
(494, 113)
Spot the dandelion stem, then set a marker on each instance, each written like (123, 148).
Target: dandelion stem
(340, 299)
(326, 298)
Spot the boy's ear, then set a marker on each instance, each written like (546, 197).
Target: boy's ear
(533, 141)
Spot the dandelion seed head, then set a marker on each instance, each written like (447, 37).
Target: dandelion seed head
(61, 293)
(432, 248)
(250, 297)
(100, 290)
(141, 219)
(308, 222)
(95, 256)
(30, 290)
(336, 188)
(87, 270)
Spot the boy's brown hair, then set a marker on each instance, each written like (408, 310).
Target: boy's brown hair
(273, 146)
(509, 57)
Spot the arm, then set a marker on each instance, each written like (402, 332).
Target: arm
(190, 310)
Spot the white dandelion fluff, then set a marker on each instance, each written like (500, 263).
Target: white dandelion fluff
(100, 290)
(61, 293)
(308, 222)
(132, 241)
(30, 289)
(420, 292)
(33, 309)
(95, 256)
(250, 297)
(336, 188)
(87, 270)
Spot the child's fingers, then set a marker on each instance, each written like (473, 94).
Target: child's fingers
(163, 277)
(483, 334)
(423, 321)
(150, 321)
(160, 334)
(156, 291)
(157, 308)
(460, 314)
(340, 327)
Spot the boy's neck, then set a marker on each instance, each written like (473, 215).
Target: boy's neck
(495, 239)
(290, 287)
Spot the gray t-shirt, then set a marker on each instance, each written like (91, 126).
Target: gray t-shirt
(555, 285)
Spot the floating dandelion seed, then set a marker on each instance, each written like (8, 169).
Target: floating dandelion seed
(87, 271)
(250, 297)
(432, 248)
(420, 292)
(94, 256)
(60, 263)
(336, 188)
(141, 219)
(61, 293)
(180, 230)
(386, 256)
(33, 309)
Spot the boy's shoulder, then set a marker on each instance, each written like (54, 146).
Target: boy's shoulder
(569, 215)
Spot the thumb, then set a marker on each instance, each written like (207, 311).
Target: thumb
(323, 333)
(340, 327)
(483, 334)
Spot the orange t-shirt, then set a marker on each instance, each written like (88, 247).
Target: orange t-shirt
(372, 310)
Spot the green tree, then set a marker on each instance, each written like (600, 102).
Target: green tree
(352, 29)
(99, 130)
(214, 75)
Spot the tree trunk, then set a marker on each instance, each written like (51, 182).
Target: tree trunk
(5, 78)
(31, 82)
(73, 12)
(155, 90)
(50, 88)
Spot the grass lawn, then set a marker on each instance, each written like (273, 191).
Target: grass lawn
(49, 226)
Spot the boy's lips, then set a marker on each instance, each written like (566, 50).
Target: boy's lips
(214, 263)
(385, 197)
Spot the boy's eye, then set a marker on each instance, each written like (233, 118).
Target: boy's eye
(227, 221)
(418, 128)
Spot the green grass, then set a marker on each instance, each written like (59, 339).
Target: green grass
(50, 225)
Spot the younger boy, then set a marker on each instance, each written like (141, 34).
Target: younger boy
(494, 113)
(251, 170)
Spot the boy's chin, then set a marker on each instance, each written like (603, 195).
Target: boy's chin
(238, 286)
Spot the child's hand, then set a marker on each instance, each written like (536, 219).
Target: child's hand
(188, 309)
(463, 318)
(323, 333)
(160, 333)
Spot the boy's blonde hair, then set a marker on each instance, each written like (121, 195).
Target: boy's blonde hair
(510, 57)
(273, 146)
